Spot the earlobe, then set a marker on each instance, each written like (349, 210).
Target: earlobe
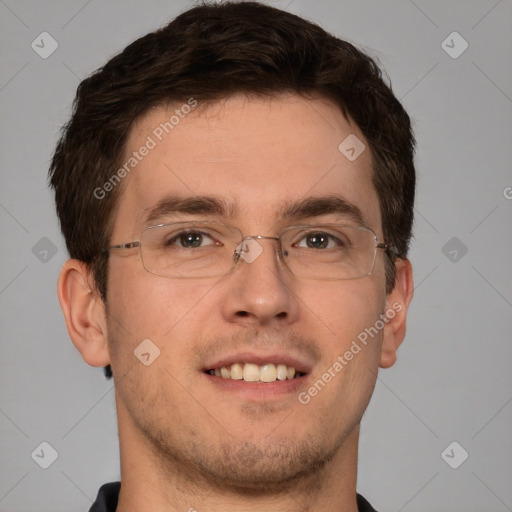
(397, 304)
(84, 312)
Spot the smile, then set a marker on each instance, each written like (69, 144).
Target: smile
(250, 372)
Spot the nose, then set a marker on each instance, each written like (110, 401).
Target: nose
(259, 290)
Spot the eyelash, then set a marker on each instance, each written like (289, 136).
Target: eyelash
(172, 241)
(177, 237)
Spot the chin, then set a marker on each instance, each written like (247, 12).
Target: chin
(274, 467)
(270, 466)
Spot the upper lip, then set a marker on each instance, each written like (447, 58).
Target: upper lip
(276, 358)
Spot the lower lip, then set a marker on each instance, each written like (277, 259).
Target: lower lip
(258, 390)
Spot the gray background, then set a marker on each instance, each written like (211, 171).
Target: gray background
(452, 381)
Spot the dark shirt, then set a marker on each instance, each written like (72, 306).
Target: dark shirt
(109, 494)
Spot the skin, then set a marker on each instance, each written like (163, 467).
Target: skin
(185, 442)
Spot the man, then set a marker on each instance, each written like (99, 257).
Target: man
(236, 194)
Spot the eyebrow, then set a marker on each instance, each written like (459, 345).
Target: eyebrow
(322, 205)
(195, 205)
(291, 210)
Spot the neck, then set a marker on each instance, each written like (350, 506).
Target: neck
(153, 481)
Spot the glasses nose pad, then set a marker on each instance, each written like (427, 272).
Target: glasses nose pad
(282, 253)
(237, 252)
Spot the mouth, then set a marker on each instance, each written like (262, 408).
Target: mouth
(259, 376)
(251, 372)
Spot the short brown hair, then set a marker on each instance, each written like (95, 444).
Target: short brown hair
(211, 52)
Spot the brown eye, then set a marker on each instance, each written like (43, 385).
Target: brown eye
(317, 241)
(191, 239)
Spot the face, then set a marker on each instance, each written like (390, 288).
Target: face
(255, 158)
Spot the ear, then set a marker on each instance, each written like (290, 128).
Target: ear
(84, 312)
(397, 304)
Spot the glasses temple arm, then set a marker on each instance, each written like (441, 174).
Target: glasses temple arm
(129, 245)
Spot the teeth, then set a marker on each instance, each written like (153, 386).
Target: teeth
(237, 372)
(282, 372)
(268, 373)
(250, 372)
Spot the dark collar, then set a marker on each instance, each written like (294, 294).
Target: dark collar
(107, 498)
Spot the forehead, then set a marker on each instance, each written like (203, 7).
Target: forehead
(256, 155)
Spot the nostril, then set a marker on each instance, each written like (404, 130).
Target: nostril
(243, 313)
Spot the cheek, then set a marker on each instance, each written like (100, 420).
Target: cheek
(344, 308)
(347, 311)
(147, 305)
(142, 306)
